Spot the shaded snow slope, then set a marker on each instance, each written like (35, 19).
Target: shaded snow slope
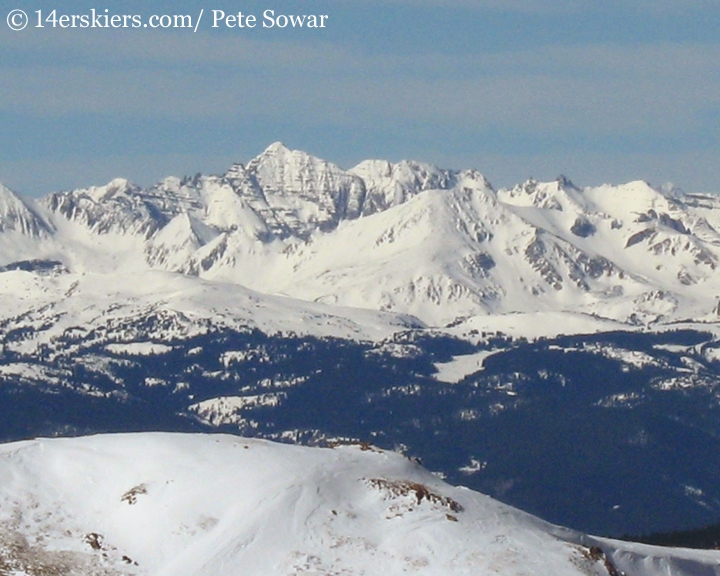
(121, 307)
(19, 216)
(195, 505)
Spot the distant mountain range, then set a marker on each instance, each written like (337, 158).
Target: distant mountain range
(409, 238)
(555, 347)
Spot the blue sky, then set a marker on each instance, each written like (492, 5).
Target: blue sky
(600, 91)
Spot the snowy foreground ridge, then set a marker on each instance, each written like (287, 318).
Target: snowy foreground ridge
(213, 505)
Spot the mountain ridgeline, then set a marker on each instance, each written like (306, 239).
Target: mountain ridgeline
(411, 238)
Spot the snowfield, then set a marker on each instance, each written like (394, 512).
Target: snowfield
(213, 505)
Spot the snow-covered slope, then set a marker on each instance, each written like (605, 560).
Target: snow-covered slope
(24, 232)
(40, 310)
(408, 238)
(17, 215)
(196, 505)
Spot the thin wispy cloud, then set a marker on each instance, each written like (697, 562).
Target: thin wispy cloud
(599, 88)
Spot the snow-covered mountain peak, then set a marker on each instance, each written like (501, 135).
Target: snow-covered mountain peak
(276, 149)
(632, 199)
(236, 172)
(448, 254)
(227, 208)
(565, 182)
(389, 184)
(173, 246)
(474, 179)
(106, 192)
(410, 175)
(277, 158)
(560, 194)
(304, 192)
(423, 176)
(118, 186)
(6, 195)
(280, 169)
(20, 216)
(373, 168)
(118, 207)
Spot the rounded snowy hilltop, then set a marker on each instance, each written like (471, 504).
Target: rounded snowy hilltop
(198, 505)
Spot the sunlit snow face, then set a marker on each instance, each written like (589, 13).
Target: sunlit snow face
(193, 505)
